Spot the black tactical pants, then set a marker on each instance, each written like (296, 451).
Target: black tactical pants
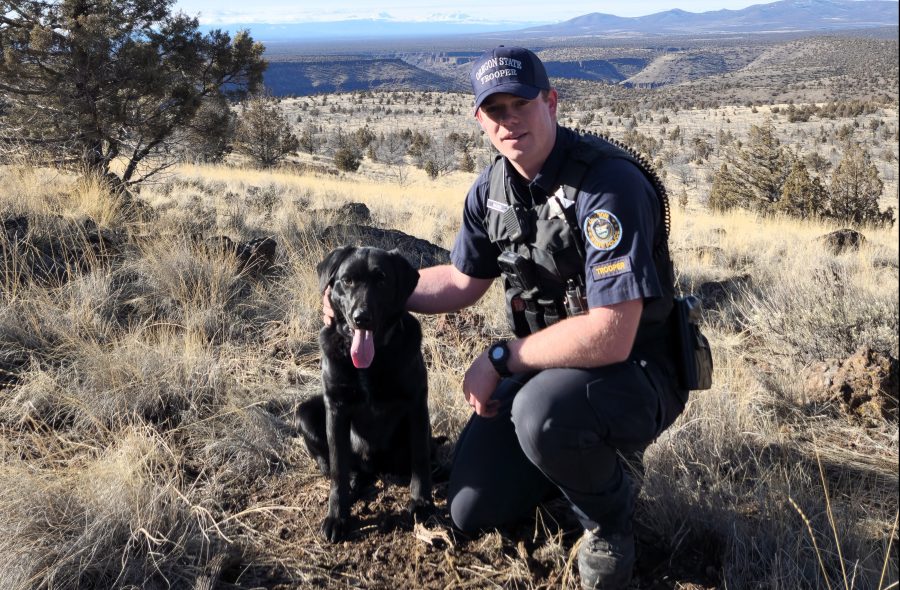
(559, 429)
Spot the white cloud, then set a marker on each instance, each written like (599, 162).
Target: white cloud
(460, 17)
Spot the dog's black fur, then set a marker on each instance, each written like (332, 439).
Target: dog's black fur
(375, 420)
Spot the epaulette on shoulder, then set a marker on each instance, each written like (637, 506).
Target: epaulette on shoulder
(646, 166)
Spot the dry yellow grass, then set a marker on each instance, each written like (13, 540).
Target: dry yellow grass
(145, 420)
(420, 207)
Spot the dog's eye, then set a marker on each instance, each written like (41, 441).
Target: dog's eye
(347, 281)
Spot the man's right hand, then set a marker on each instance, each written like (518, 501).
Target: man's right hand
(479, 383)
(327, 311)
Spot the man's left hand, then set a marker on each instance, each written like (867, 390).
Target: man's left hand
(479, 384)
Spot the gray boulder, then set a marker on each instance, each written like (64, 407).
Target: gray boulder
(420, 253)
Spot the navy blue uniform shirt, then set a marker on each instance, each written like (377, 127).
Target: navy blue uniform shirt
(618, 214)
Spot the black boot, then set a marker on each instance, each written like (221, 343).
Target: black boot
(606, 560)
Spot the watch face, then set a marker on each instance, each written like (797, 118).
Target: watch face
(497, 353)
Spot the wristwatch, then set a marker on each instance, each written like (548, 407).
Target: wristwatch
(499, 355)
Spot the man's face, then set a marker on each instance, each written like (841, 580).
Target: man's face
(522, 130)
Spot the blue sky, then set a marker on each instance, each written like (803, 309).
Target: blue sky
(217, 12)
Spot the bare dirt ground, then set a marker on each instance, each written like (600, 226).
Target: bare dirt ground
(390, 549)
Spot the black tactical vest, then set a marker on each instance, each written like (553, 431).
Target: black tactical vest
(551, 242)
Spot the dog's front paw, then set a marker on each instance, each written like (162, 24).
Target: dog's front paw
(323, 465)
(420, 507)
(334, 528)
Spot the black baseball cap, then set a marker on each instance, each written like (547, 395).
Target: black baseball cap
(513, 70)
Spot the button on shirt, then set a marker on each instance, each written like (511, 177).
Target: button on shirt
(618, 215)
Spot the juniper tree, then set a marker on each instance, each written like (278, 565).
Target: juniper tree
(816, 162)
(466, 161)
(439, 155)
(348, 158)
(310, 140)
(94, 81)
(803, 195)
(755, 172)
(700, 149)
(723, 193)
(363, 137)
(263, 133)
(431, 169)
(642, 143)
(391, 149)
(856, 188)
(209, 135)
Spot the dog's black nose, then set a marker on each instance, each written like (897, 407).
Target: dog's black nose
(362, 318)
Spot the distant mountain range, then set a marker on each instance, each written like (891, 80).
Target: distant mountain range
(781, 16)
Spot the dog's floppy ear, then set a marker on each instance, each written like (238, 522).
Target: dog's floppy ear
(329, 265)
(407, 275)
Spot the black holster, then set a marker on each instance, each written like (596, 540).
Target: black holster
(516, 312)
(693, 356)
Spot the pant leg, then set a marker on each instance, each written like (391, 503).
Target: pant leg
(492, 482)
(570, 423)
(562, 430)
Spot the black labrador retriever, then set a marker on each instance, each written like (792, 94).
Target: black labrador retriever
(373, 417)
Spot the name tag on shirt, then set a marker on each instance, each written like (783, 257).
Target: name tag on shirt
(497, 206)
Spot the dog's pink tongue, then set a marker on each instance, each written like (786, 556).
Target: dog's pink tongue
(362, 350)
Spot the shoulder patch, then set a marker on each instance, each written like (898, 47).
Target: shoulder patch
(611, 268)
(603, 229)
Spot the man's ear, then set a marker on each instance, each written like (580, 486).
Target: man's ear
(329, 265)
(553, 102)
(407, 275)
(479, 116)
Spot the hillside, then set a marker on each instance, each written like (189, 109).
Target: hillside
(807, 69)
(811, 70)
(682, 66)
(346, 74)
